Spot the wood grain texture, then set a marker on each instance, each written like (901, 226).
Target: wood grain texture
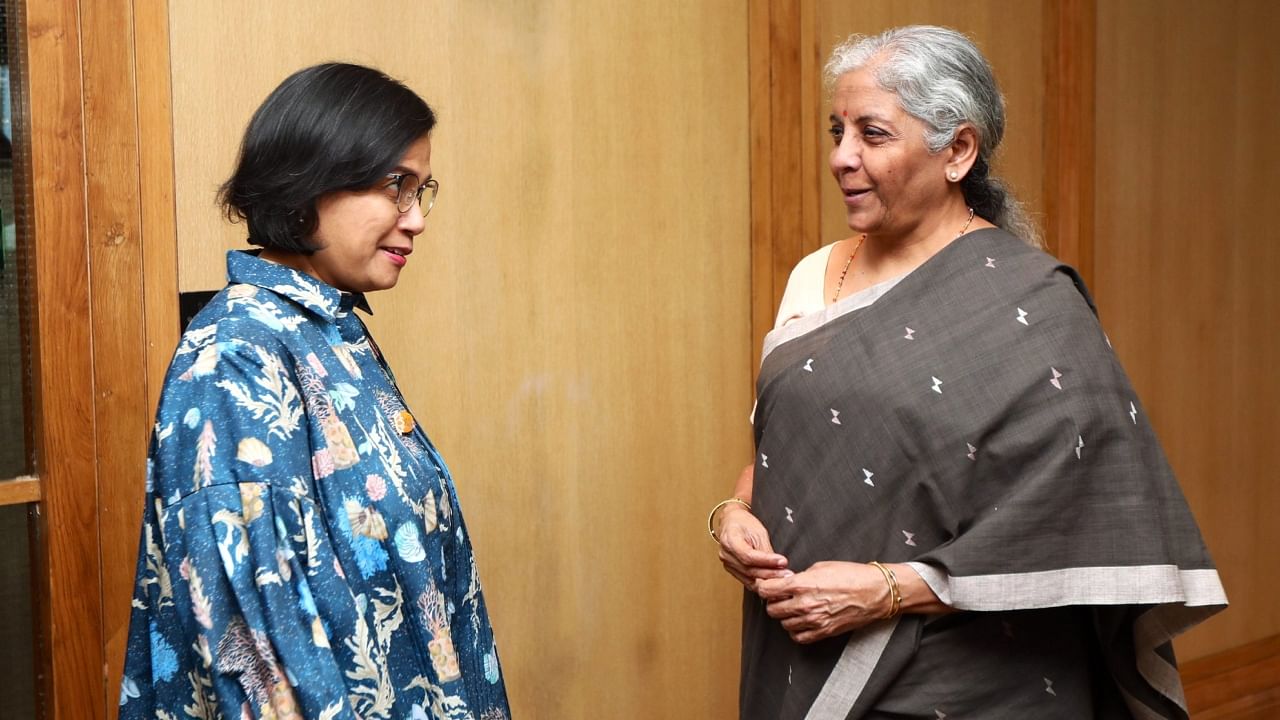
(156, 257)
(1070, 48)
(765, 295)
(572, 327)
(67, 560)
(153, 87)
(1008, 33)
(1188, 162)
(784, 177)
(19, 490)
(124, 358)
(1238, 684)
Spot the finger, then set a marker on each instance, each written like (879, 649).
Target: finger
(747, 581)
(806, 637)
(781, 609)
(767, 573)
(777, 588)
(760, 541)
(799, 623)
(740, 545)
(748, 575)
(741, 574)
(759, 558)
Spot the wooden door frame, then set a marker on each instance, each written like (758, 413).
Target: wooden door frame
(97, 112)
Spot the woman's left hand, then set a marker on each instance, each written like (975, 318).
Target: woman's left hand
(827, 599)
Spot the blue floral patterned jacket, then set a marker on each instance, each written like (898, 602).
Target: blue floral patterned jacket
(302, 550)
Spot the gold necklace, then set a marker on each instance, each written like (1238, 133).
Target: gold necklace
(966, 223)
(847, 263)
(852, 255)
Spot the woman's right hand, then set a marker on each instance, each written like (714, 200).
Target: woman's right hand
(745, 551)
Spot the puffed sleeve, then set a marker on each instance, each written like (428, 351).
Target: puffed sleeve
(225, 623)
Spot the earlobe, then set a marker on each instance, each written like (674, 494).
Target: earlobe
(964, 150)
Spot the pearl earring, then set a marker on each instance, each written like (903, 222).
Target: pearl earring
(953, 175)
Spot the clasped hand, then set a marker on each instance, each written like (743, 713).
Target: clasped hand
(825, 600)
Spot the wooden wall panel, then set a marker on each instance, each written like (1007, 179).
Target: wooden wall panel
(573, 326)
(123, 418)
(66, 563)
(1188, 163)
(785, 163)
(150, 33)
(106, 287)
(1070, 52)
(1009, 34)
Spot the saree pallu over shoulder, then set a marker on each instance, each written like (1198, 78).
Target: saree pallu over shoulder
(974, 422)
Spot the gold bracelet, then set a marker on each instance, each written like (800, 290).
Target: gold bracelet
(895, 594)
(711, 516)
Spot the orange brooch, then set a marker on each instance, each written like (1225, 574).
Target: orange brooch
(403, 422)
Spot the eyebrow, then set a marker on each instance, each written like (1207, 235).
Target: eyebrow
(861, 118)
(402, 170)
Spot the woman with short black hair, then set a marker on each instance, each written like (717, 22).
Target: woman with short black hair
(303, 553)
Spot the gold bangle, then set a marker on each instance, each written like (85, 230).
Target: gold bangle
(895, 594)
(711, 516)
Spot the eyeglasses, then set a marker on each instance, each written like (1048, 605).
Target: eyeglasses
(408, 191)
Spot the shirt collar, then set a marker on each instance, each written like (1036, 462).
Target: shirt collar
(318, 297)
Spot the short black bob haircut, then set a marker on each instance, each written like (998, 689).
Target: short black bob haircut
(326, 128)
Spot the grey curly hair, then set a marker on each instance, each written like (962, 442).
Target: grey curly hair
(942, 79)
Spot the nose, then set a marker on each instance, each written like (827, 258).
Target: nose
(411, 220)
(847, 156)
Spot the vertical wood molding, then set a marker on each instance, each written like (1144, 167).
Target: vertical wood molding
(1070, 56)
(119, 278)
(156, 193)
(106, 321)
(62, 369)
(785, 222)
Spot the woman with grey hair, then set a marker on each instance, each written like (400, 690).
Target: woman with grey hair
(957, 507)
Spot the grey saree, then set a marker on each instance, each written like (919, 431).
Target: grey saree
(974, 422)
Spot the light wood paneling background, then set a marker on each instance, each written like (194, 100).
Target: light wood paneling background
(1188, 163)
(1008, 33)
(573, 325)
(574, 328)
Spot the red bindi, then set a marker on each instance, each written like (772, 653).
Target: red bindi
(844, 113)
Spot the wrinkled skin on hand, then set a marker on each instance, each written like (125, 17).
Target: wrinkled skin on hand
(826, 600)
(745, 550)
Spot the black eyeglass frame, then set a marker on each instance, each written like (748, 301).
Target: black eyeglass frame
(408, 191)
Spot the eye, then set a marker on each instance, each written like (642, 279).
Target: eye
(836, 131)
(874, 134)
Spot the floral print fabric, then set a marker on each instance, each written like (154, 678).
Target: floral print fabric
(302, 552)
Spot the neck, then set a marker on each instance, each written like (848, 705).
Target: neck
(295, 261)
(922, 241)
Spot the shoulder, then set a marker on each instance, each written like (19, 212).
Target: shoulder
(241, 315)
(243, 331)
(1000, 249)
(811, 266)
(1010, 264)
(803, 294)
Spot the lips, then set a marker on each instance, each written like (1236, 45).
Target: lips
(397, 255)
(855, 195)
